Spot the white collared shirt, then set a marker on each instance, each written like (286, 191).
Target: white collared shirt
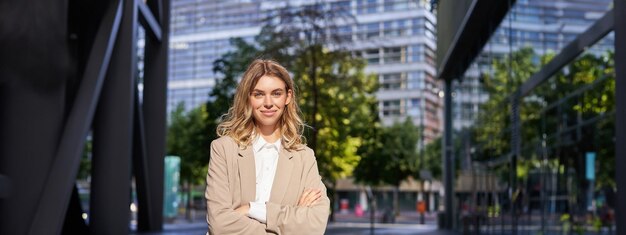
(265, 160)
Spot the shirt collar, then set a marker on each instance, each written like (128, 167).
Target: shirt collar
(259, 143)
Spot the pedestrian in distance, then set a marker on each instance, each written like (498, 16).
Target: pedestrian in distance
(262, 178)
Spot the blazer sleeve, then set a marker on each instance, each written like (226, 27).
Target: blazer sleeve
(221, 216)
(289, 219)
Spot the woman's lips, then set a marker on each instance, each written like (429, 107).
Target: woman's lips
(269, 113)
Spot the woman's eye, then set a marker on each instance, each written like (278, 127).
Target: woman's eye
(257, 95)
(277, 94)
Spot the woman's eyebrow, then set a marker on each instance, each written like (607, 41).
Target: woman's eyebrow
(277, 89)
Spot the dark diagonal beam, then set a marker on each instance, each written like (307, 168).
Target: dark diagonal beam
(52, 205)
(112, 134)
(140, 170)
(154, 107)
(148, 21)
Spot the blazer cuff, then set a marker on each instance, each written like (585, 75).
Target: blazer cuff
(258, 211)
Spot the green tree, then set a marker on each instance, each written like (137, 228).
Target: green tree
(187, 138)
(433, 158)
(390, 159)
(494, 122)
(563, 104)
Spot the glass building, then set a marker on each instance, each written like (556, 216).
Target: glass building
(396, 37)
(544, 25)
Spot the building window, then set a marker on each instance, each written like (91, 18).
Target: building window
(392, 108)
(416, 80)
(371, 56)
(417, 26)
(394, 55)
(394, 28)
(341, 6)
(417, 53)
(366, 6)
(397, 5)
(368, 31)
(392, 81)
(413, 107)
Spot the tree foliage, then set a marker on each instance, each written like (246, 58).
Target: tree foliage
(392, 158)
(344, 110)
(583, 90)
(187, 138)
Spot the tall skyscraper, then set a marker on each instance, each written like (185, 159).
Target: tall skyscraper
(396, 37)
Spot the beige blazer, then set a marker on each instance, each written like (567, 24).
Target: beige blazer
(231, 183)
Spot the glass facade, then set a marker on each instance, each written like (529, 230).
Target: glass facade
(545, 26)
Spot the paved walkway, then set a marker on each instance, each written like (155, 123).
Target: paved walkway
(338, 228)
(347, 224)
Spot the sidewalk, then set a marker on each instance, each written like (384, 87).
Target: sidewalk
(345, 224)
(405, 217)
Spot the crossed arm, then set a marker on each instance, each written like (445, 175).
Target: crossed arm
(309, 216)
(308, 198)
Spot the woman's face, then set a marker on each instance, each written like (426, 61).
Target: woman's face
(268, 100)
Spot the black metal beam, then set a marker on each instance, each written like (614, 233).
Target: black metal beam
(36, 65)
(52, 205)
(140, 170)
(470, 36)
(583, 41)
(112, 134)
(154, 107)
(620, 114)
(148, 21)
(448, 158)
(5, 187)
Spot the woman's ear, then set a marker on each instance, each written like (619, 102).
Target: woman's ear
(289, 95)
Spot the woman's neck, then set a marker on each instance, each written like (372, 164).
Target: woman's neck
(270, 135)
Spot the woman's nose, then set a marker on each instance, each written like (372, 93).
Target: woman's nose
(267, 102)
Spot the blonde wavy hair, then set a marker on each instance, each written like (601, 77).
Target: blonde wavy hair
(238, 123)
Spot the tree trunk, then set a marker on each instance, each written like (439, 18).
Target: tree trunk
(396, 210)
(188, 206)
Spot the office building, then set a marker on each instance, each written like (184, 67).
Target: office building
(396, 37)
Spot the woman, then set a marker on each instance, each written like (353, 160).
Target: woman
(261, 177)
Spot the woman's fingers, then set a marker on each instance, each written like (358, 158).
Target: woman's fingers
(309, 197)
(303, 197)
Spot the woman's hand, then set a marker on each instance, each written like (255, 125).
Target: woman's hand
(243, 209)
(309, 197)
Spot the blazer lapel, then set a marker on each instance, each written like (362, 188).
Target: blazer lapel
(282, 177)
(247, 174)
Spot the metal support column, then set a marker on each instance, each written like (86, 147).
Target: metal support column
(154, 107)
(52, 205)
(112, 134)
(140, 169)
(448, 157)
(34, 71)
(515, 152)
(620, 114)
